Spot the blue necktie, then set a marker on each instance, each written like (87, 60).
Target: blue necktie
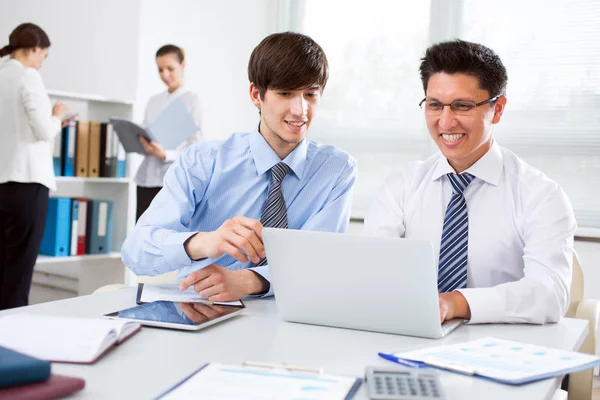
(274, 214)
(452, 271)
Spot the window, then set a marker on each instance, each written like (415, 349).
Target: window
(551, 50)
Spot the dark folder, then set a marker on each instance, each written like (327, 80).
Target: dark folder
(58, 386)
(99, 226)
(18, 369)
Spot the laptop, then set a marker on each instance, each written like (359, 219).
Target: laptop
(386, 285)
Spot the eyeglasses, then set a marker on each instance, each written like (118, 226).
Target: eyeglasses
(459, 107)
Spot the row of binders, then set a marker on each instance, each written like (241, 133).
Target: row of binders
(89, 149)
(77, 227)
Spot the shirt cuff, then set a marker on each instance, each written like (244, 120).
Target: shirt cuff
(174, 252)
(263, 271)
(485, 305)
(171, 155)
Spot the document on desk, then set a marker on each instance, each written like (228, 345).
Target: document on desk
(502, 360)
(218, 381)
(170, 292)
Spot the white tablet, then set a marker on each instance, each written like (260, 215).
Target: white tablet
(185, 316)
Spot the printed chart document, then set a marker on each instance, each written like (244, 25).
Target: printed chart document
(502, 360)
(170, 292)
(217, 381)
(63, 339)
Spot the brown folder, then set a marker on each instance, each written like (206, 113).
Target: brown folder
(94, 150)
(56, 387)
(82, 149)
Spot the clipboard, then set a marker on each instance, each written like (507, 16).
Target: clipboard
(266, 380)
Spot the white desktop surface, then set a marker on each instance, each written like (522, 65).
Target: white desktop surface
(154, 359)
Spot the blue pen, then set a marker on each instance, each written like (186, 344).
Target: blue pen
(402, 361)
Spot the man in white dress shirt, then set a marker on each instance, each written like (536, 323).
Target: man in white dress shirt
(503, 229)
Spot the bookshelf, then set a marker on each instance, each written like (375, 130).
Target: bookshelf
(62, 277)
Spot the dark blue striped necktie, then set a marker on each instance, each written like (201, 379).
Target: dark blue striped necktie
(452, 271)
(274, 214)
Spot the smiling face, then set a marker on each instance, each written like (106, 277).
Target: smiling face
(286, 115)
(462, 139)
(170, 71)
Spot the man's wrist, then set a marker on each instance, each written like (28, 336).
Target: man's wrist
(192, 249)
(257, 285)
(459, 307)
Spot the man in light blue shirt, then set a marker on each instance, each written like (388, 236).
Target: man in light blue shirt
(205, 221)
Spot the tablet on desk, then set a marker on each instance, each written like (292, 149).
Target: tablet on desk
(185, 316)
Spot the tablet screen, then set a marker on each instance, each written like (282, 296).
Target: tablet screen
(189, 314)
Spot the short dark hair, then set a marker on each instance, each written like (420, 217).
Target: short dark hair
(26, 36)
(171, 49)
(461, 57)
(289, 61)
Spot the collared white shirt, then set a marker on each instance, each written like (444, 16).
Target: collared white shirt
(27, 127)
(153, 170)
(521, 232)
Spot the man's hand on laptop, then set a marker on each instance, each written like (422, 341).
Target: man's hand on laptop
(220, 284)
(453, 305)
(240, 237)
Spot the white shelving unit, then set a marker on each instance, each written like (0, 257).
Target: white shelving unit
(62, 277)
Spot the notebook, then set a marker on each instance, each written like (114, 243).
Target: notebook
(58, 386)
(500, 360)
(63, 339)
(218, 381)
(18, 368)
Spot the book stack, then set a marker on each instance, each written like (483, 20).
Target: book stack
(24, 377)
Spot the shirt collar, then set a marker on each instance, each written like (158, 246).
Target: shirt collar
(488, 168)
(176, 93)
(265, 157)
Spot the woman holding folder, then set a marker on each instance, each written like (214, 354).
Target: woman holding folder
(170, 61)
(28, 125)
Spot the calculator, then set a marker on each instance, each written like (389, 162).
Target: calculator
(403, 383)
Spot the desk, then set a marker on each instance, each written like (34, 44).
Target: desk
(155, 359)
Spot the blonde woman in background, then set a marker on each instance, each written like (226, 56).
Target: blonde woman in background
(28, 125)
(170, 61)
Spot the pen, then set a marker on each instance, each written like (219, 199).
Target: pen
(283, 366)
(451, 367)
(402, 361)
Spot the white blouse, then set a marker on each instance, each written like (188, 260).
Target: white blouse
(153, 170)
(27, 127)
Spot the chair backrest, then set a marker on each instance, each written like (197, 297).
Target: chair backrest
(576, 286)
